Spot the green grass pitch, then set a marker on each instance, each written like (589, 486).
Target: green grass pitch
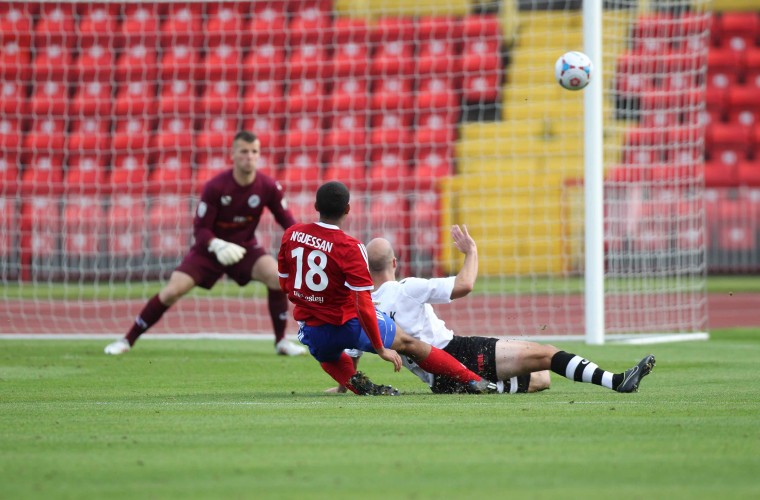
(229, 419)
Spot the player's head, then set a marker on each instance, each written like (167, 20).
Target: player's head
(246, 150)
(380, 256)
(332, 200)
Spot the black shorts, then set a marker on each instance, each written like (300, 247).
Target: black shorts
(478, 354)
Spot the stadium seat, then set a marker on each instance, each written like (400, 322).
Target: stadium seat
(180, 62)
(183, 25)
(301, 167)
(83, 226)
(392, 59)
(56, 25)
(138, 63)
(631, 78)
(720, 175)
(135, 98)
(13, 103)
(715, 103)
(269, 25)
(46, 135)
(172, 171)
(431, 163)
(129, 170)
(10, 133)
(481, 88)
(350, 60)
(739, 30)
(391, 29)
(653, 33)
(346, 166)
(89, 135)
(227, 24)
(9, 172)
(176, 98)
(87, 173)
(15, 62)
(437, 57)
(91, 99)
(348, 95)
(392, 119)
(748, 173)
(388, 219)
(16, 23)
(722, 138)
(265, 62)
(217, 132)
(131, 134)
(53, 63)
(98, 24)
(94, 64)
(305, 96)
(174, 133)
(743, 105)
(309, 61)
(219, 98)
(43, 172)
(436, 128)
(221, 63)
(304, 134)
(482, 44)
(736, 231)
(388, 168)
(393, 94)
(310, 24)
(40, 224)
(140, 22)
(8, 226)
(433, 27)
(170, 219)
(348, 134)
(125, 223)
(436, 94)
(725, 67)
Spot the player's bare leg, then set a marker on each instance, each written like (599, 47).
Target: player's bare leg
(179, 284)
(265, 271)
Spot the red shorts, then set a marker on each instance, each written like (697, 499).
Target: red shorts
(205, 270)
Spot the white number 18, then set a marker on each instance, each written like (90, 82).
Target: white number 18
(317, 261)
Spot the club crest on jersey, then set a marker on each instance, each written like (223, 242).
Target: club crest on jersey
(202, 209)
(254, 201)
(226, 200)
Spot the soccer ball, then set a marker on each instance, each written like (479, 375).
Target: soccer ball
(573, 70)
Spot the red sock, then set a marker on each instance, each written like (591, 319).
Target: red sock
(148, 317)
(278, 311)
(440, 362)
(341, 370)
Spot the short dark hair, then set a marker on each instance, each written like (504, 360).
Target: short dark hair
(332, 199)
(246, 136)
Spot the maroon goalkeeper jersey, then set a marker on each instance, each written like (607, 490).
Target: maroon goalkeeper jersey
(232, 212)
(321, 265)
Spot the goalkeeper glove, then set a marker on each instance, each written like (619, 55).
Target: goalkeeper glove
(226, 253)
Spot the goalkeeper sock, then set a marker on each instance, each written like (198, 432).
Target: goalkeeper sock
(278, 311)
(341, 370)
(582, 370)
(148, 317)
(440, 362)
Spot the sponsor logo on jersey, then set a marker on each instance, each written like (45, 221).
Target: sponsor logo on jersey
(226, 200)
(202, 209)
(254, 201)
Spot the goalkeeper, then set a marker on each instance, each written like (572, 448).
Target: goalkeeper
(514, 365)
(225, 243)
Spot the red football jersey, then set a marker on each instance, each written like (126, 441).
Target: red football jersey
(321, 265)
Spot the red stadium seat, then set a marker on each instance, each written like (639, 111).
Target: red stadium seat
(9, 172)
(140, 23)
(8, 226)
(15, 62)
(219, 98)
(91, 135)
(752, 61)
(263, 97)
(56, 25)
(348, 95)
(393, 94)
(390, 29)
(481, 88)
(435, 94)
(222, 63)
(83, 226)
(227, 24)
(736, 231)
(94, 63)
(739, 30)
(743, 105)
(397, 141)
(347, 30)
(53, 63)
(388, 219)
(176, 98)
(304, 134)
(438, 57)
(348, 134)
(49, 99)
(172, 171)
(393, 58)
(309, 61)
(46, 135)
(432, 163)
(630, 77)
(138, 63)
(217, 132)
(183, 25)
(350, 59)
(269, 25)
(482, 45)
(392, 119)
(653, 33)
(13, 103)
(180, 62)
(748, 173)
(720, 174)
(174, 133)
(171, 221)
(43, 172)
(92, 99)
(727, 137)
(301, 167)
(40, 224)
(306, 96)
(98, 24)
(10, 134)
(16, 23)
(310, 24)
(265, 62)
(432, 28)
(131, 134)
(129, 170)
(347, 167)
(725, 67)
(87, 173)
(435, 130)
(136, 98)
(387, 169)
(126, 219)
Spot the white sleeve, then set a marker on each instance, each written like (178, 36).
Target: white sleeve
(429, 291)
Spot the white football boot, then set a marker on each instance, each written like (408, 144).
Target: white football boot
(287, 348)
(121, 346)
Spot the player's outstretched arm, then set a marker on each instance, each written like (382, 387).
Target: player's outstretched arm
(464, 281)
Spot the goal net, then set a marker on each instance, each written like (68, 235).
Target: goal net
(434, 113)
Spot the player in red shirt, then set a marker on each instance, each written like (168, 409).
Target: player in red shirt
(324, 272)
(225, 243)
